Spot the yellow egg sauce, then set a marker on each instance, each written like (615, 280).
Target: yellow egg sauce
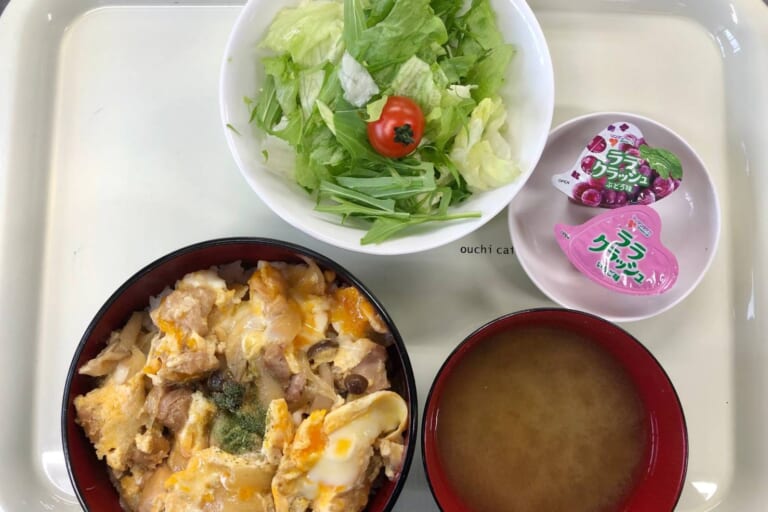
(349, 311)
(540, 420)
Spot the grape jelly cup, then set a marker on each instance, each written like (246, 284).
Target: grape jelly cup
(690, 217)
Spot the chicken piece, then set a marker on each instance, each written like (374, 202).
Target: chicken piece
(169, 406)
(112, 416)
(269, 388)
(184, 312)
(172, 360)
(295, 390)
(276, 363)
(215, 480)
(186, 309)
(373, 368)
(184, 351)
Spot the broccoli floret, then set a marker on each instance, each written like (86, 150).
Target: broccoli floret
(230, 398)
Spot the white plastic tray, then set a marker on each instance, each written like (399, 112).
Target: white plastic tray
(112, 153)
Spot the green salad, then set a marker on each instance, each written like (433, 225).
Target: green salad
(391, 107)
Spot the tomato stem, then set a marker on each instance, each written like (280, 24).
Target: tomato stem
(404, 134)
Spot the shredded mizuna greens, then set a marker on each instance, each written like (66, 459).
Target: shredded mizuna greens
(451, 60)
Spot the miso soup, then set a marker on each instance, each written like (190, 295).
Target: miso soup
(540, 420)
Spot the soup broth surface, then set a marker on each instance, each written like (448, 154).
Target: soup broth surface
(540, 420)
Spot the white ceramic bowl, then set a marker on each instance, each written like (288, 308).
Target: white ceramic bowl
(528, 93)
(690, 223)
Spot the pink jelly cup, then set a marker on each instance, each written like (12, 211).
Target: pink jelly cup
(658, 483)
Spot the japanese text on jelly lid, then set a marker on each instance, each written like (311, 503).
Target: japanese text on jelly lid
(690, 217)
(621, 250)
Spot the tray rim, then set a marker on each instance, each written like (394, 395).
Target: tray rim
(10, 38)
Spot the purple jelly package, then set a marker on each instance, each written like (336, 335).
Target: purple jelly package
(621, 250)
(617, 168)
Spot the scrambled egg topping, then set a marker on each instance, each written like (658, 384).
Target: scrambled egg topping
(258, 390)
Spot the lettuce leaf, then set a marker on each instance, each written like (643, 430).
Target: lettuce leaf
(265, 111)
(354, 21)
(481, 57)
(444, 122)
(480, 152)
(409, 26)
(285, 75)
(310, 84)
(310, 33)
(490, 71)
(480, 24)
(379, 10)
(446, 9)
(458, 67)
(416, 80)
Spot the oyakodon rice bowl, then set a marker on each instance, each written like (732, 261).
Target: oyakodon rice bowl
(249, 375)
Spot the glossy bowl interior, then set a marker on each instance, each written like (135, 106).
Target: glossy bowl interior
(89, 476)
(690, 219)
(663, 470)
(528, 94)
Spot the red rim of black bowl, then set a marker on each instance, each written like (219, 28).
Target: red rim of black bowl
(134, 295)
(665, 463)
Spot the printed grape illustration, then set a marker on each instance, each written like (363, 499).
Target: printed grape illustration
(587, 163)
(597, 145)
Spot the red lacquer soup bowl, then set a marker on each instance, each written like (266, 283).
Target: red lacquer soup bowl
(89, 475)
(656, 480)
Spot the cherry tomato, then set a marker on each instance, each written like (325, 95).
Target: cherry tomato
(399, 129)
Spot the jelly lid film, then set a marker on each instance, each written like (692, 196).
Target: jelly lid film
(621, 250)
(617, 167)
